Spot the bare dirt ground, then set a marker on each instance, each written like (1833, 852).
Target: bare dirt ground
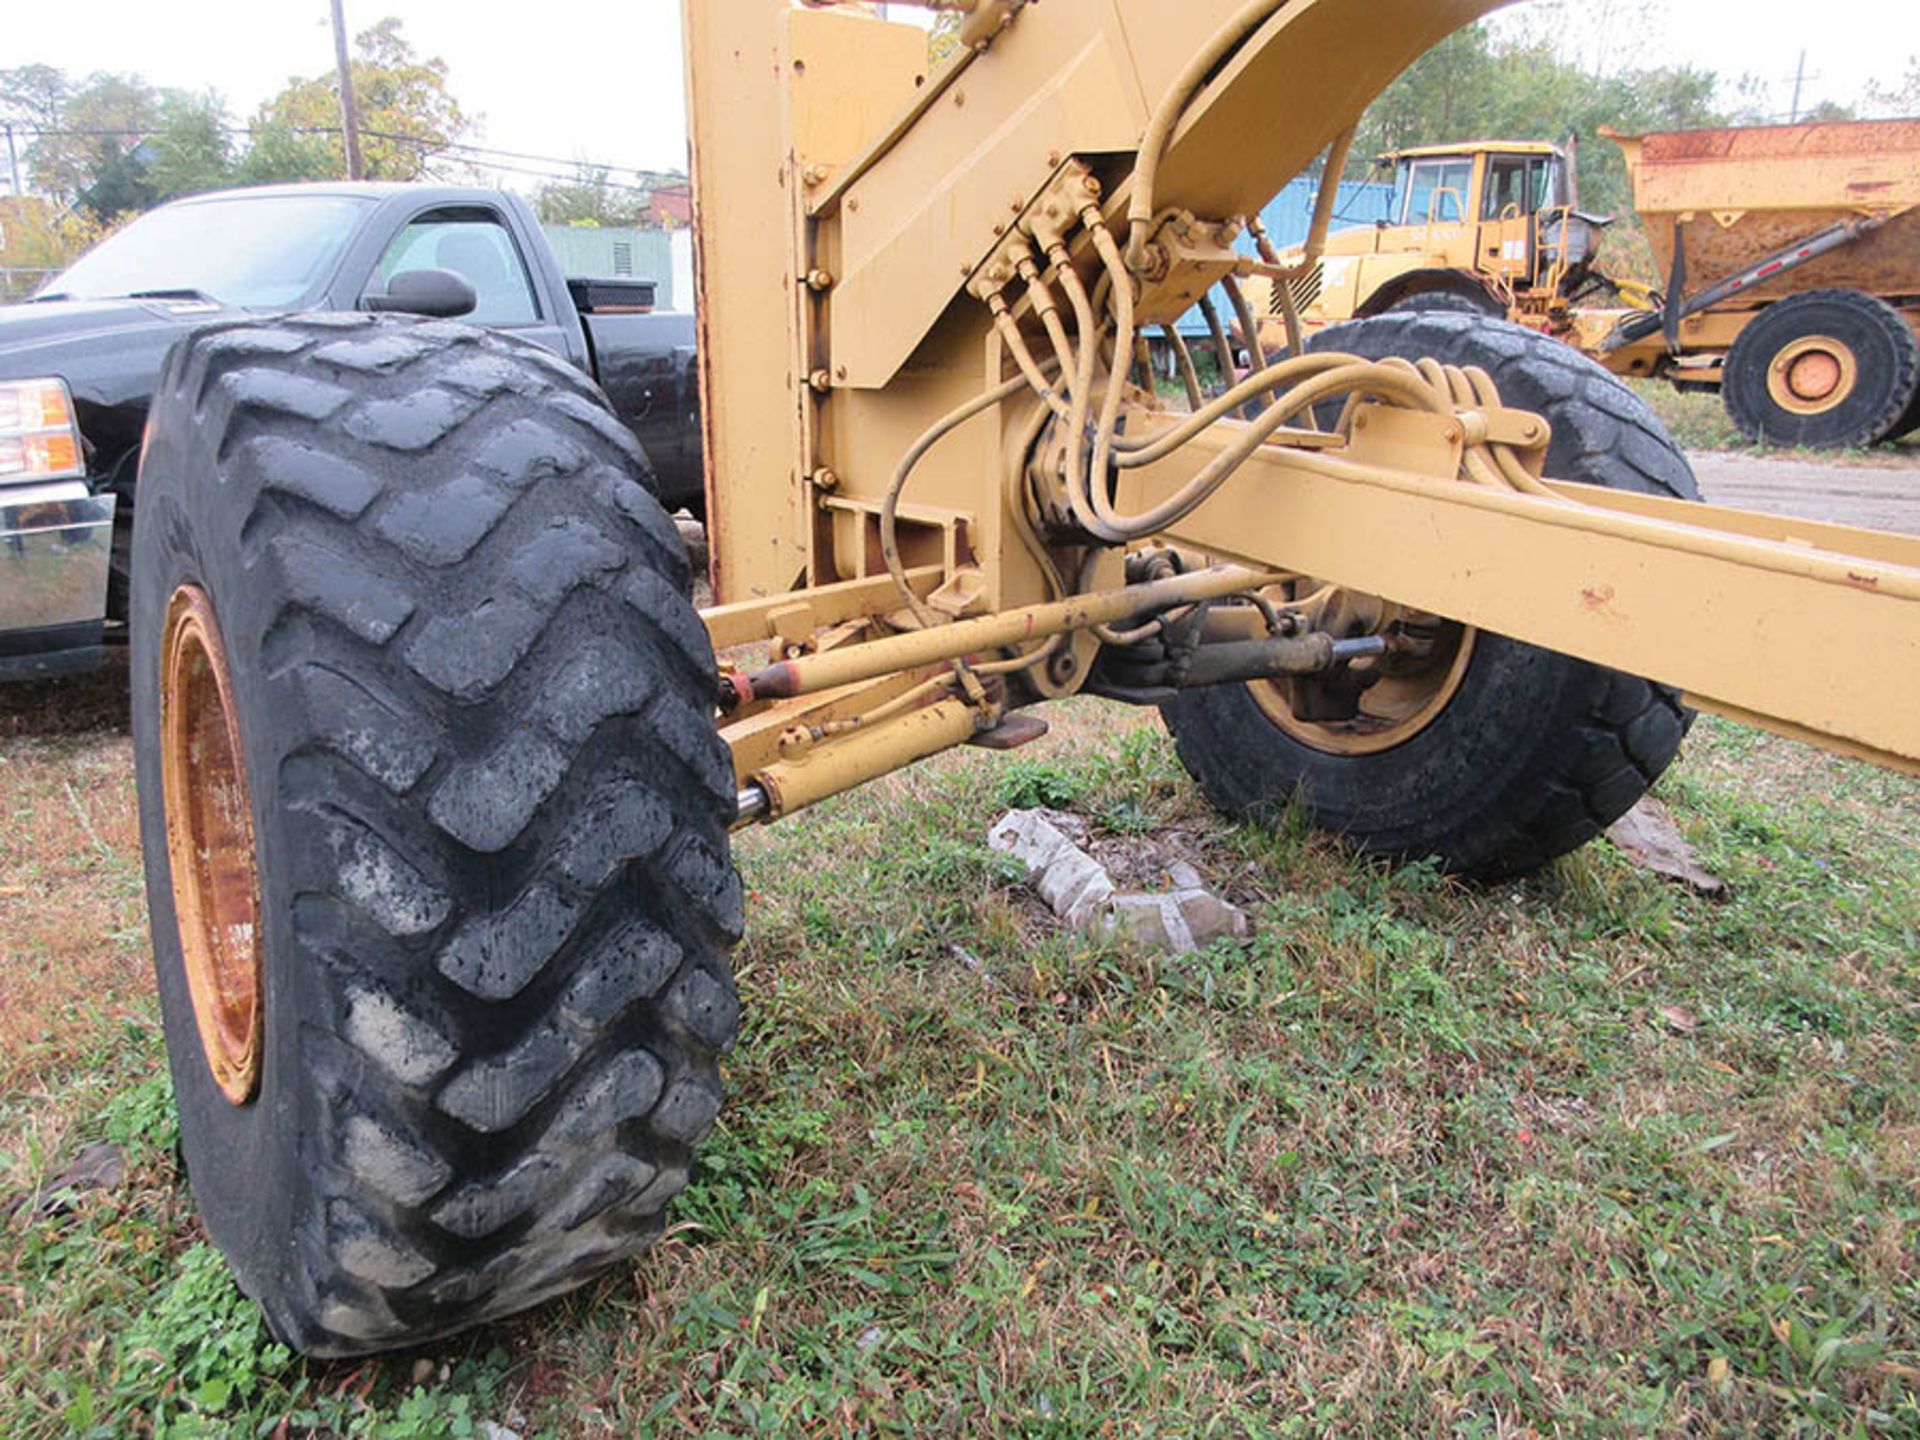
(1877, 498)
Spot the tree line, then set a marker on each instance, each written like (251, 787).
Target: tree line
(108, 145)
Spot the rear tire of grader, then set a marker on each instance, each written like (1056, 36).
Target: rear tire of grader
(435, 818)
(1496, 756)
(1828, 369)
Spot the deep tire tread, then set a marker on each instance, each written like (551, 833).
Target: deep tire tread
(1499, 793)
(1886, 402)
(460, 644)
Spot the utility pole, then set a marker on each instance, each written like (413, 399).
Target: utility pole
(13, 160)
(349, 114)
(1799, 75)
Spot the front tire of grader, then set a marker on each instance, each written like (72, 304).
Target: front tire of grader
(1501, 755)
(435, 819)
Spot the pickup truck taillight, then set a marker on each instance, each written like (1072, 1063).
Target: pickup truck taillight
(39, 439)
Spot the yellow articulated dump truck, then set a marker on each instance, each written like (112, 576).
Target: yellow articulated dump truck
(1791, 264)
(1486, 227)
(439, 765)
(1789, 257)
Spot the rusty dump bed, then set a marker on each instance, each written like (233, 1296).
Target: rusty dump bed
(1742, 193)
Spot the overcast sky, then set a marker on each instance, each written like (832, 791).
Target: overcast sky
(584, 79)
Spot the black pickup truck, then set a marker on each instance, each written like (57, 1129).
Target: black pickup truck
(78, 361)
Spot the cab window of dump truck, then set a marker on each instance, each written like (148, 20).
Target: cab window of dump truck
(1520, 185)
(1435, 190)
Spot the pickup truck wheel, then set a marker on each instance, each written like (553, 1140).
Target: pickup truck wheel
(435, 818)
(1828, 369)
(1492, 755)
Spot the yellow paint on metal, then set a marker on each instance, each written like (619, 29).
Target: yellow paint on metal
(748, 622)
(1813, 374)
(852, 211)
(1392, 710)
(1691, 595)
(832, 766)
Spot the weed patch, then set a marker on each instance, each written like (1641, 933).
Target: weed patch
(1584, 1155)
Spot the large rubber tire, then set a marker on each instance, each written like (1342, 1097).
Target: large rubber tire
(1909, 420)
(1536, 753)
(490, 811)
(1446, 302)
(1887, 356)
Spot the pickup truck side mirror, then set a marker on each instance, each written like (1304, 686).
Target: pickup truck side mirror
(439, 293)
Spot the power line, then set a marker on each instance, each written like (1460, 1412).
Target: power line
(456, 145)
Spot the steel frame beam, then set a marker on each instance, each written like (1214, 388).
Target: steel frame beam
(1807, 628)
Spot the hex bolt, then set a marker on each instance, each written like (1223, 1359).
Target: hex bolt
(825, 479)
(819, 280)
(814, 174)
(821, 381)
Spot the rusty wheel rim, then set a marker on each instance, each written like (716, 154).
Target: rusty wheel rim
(1408, 697)
(210, 852)
(1812, 375)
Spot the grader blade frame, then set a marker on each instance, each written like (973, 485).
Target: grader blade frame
(935, 492)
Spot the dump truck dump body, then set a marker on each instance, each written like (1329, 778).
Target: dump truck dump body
(1823, 218)
(1736, 196)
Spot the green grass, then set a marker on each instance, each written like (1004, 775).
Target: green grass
(1583, 1155)
(1699, 422)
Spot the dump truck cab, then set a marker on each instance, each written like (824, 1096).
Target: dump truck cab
(1489, 224)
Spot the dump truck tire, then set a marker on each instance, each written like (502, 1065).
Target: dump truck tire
(1445, 302)
(1909, 420)
(1532, 753)
(1827, 369)
(435, 820)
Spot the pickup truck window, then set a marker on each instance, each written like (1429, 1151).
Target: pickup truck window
(261, 253)
(475, 244)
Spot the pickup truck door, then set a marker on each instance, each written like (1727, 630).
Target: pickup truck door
(481, 242)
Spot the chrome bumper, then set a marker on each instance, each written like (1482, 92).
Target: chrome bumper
(56, 545)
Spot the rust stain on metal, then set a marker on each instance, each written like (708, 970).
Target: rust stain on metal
(1866, 582)
(1596, 597)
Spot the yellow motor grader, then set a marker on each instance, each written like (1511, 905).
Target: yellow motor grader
(437, 767)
